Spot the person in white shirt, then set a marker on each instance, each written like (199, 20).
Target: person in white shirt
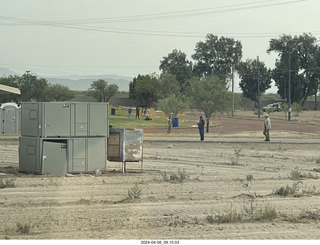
(267, 127)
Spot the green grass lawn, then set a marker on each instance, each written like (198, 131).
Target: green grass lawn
(122, 121)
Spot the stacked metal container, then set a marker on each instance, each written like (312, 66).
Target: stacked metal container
(60, 138)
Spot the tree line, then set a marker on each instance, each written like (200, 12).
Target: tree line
(33, 88)
(203, 82)
(296, 73)
(37, 89)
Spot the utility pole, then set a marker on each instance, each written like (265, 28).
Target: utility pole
(258, 87)
(27, 85)
(289, 87)
(232, 91)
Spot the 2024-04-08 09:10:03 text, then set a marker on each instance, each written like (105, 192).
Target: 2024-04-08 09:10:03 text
(159, 242)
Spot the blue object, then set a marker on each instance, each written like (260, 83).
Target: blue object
(175, 122)
(113, 111)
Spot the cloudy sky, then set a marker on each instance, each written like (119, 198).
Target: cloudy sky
(130, 37)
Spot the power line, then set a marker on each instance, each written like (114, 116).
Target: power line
(167, 33)
(163, 15)
(85, 24)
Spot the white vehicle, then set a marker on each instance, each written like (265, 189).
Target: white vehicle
(272, 107)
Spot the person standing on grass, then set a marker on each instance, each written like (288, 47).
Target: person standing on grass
(201, 128)
(129, 112)
(267, 127)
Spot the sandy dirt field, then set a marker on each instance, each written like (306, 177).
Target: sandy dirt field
(187, 190)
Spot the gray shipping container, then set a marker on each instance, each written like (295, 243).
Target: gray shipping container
(61, 156)
(58, 119)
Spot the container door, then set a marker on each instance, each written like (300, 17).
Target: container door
(96, 154)
(57, 119)
(31, 119)
(10, 122)
(98, 119)
(29, 155)
(77, 153)
(81, 119)
(54, 159)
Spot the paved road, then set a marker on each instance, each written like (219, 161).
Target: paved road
(235, 139)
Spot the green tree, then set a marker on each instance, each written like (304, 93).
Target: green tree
(132, 85)
(58, 92)
(301, 54)
(316, 78)
(132, 91)
(102, 91)
(217, 56)
(210, 96)
(171, 106)
(168, 85)
(252, 72)
(144, 90)
(111, 90)
(32, 87)
(176, 63)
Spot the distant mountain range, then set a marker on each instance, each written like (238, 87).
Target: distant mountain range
(7, 72)
(80, 83)
(83, 83)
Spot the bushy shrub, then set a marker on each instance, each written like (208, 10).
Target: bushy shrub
(134, 193)
(288, 190)
(6, 182)
(296, 109)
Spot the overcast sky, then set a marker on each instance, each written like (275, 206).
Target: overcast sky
(130, 37)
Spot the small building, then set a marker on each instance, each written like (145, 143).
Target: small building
(10, 118)
(10, 113)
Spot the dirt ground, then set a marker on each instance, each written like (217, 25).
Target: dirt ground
(307, 122)
(187, 190)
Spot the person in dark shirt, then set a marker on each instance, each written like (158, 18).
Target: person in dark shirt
(129, 112)
(201, 124)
